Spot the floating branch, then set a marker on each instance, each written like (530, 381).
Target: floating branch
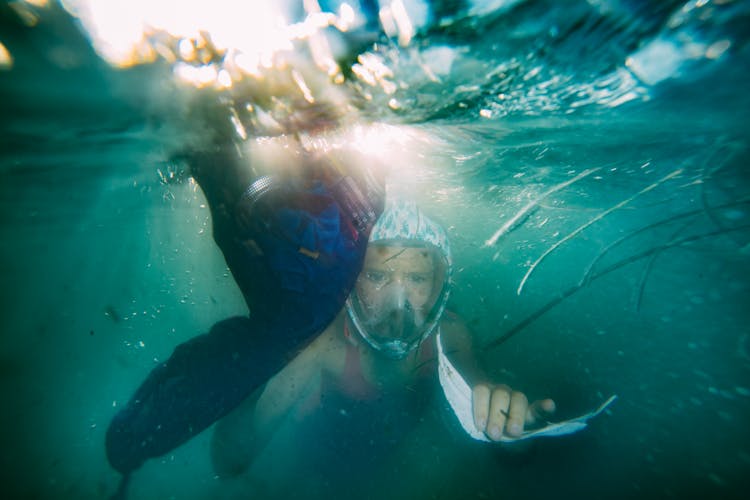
(587, 273)
(513, 221)
(668, 220)
(592, 221)
(650, 264)
(614, 267)
(709, 175)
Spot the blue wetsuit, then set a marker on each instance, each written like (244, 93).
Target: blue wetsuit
(295, 261)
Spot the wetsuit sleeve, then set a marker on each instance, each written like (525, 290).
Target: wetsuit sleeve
(296, 265)
(244, 432)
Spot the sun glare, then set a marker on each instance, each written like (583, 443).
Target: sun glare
(6, 60)
(208, 43)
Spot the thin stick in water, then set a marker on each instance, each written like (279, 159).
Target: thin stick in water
(592, 221)
(650, 265)
(513, 221)
(519, 327)
(691, 213)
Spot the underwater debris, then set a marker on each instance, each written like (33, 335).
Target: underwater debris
(520, 326)
(174, 173)
(592, 221)
(653, 225)
(649, 265)
(524, 212)
(709, 174)
(112, 313)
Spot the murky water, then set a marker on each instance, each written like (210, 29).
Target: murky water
(641, 275)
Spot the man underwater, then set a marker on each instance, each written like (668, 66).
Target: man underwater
(367, 380)
(294, 239)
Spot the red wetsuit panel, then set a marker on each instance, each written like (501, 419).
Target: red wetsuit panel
(352, 384)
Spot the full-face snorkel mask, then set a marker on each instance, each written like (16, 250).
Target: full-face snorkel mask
(410, 279)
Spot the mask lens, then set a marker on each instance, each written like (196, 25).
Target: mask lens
(396, 320)
(395, 308)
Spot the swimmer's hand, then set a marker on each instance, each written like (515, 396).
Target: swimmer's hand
(498, 410)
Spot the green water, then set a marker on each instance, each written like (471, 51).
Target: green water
(105, 268)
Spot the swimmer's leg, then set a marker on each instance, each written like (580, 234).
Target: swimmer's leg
(296, 265)
(202, 381)
(302, 282)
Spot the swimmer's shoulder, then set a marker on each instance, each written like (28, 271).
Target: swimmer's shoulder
(328, 350)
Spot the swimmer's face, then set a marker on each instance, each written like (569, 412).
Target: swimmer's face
(397, 288)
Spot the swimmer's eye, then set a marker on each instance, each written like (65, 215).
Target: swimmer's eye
(418, 279)
(376, 277)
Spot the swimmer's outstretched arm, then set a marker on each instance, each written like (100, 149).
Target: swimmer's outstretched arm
(240, 436)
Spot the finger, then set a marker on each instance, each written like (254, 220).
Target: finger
(480, 398)
(498, 412)
(517, 413)
(540, 410)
